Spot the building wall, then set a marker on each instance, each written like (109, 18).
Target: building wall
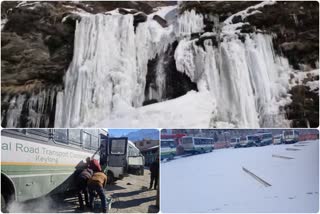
(146, 144)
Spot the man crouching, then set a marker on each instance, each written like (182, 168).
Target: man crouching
(96, 184)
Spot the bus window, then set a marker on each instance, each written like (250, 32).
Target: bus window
(187, 140)
(118, 146)
(61, 135)
(75, 136)
(164, 143)
(86, 140)
(41, 134)
(94, 142)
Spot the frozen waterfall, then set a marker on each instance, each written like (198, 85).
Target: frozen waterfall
(247, 82)
(109, 67)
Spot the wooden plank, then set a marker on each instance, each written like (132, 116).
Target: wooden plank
(299, 145)
(266, 184)
(292, 149)
(283, 157)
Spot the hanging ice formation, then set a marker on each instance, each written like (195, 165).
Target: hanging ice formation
(247, 81)
(108, 71)
(34, 109)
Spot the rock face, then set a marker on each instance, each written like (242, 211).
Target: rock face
(36, 51)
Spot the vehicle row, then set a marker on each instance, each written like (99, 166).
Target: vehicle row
(263, 139)
(185, 145)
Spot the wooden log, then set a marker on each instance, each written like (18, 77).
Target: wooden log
(292, 149)
(266, 184)
(283, 157)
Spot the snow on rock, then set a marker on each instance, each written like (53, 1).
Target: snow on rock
(194, 109)
(314, 86)
(220, 184)
(248, 12)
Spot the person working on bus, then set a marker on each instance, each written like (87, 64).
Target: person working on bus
(154, 169)
(81, 183)
(93, 164)
(96, 184)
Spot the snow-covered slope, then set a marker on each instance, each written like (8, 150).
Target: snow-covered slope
(215, 182)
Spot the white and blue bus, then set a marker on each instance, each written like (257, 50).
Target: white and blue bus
(260, 139)
(168, 149)
(196, 145)
(290, 136)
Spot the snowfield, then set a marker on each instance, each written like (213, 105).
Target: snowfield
(216, 182)
(194, 109)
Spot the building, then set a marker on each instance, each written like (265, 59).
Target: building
(149, 149)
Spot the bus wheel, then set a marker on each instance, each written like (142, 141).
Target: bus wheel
(110, 177)
(141, 170)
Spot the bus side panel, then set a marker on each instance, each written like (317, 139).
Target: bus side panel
(37, 186)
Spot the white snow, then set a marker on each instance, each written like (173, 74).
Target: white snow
(190, 110)
(246, 13)
(3, 23)
(215, 182)
(313, 85)
(163, 11)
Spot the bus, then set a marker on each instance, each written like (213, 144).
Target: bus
(277, 139)
(119, 156)
(39, 162)
(290, 136)
(168, 149)
(260, 139)
(234, 141)
(245, 142)
(196, 145)
(265, 139)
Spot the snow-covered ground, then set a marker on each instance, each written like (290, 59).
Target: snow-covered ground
(193, 109)
(216, 182)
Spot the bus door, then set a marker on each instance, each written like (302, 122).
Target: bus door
(103, 152)
(117, 152)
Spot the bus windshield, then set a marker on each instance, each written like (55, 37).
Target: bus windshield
(167, 143)
(233, 140)
(202, 141)
(252, 137)
(187, 140)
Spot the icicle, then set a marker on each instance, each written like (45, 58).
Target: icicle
(189, 22)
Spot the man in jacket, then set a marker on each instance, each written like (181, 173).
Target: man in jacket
(96, 184)
(81, 183)
(154, 169)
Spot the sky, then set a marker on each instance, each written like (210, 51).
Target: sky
(121, 132)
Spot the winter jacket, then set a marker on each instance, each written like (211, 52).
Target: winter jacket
(98, 178)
